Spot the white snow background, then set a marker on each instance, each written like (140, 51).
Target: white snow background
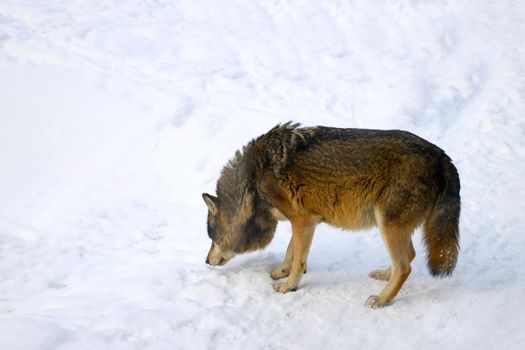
(116, 115)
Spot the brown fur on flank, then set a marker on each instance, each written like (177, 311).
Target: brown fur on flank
(349, 178)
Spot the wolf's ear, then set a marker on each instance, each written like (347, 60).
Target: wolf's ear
(211, 202)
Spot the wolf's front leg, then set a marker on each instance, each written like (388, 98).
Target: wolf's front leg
(283, 270)
(302, 233)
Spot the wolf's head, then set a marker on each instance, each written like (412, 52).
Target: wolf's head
(237, 226)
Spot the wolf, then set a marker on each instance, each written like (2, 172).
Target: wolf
(349, 178)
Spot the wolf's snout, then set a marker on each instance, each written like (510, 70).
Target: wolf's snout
(221, 262)
(217, 257)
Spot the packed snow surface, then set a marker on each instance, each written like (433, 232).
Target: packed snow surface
(116, 115)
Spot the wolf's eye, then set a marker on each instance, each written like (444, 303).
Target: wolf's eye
(211, 232)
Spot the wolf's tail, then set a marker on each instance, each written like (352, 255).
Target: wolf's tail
(441, 232)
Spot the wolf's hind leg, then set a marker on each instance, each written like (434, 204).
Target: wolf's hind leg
(283, 270)
(302, 233)
(380, 274)
(398, 244)
(384, 274)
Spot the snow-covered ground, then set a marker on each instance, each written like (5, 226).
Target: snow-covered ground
(116, 115)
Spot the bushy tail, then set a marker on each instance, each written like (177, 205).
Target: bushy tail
(441, 232)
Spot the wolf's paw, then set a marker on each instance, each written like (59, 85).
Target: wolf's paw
(284, 287)
(375, 302)
(279, 272)
(382, 275)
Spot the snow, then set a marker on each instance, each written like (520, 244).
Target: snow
(115, 116)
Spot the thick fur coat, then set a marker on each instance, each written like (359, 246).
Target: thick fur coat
(349, 178)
